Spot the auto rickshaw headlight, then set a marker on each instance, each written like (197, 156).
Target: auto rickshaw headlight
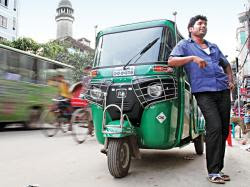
(155, 90)
(96, 94)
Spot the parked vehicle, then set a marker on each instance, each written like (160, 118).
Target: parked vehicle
(137, 100)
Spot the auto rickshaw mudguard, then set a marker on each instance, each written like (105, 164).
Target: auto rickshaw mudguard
(113, 130)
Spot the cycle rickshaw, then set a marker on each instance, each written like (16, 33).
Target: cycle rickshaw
(67, 115)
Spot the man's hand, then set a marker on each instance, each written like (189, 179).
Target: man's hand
(201, 62)
(231, 85)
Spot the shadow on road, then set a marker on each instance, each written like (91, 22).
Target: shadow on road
(16, 127)
(166, 160)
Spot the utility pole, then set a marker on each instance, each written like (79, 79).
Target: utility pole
(238, 84)
(175, 26)
(95, 27)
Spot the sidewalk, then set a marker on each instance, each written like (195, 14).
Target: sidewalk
(238, 142)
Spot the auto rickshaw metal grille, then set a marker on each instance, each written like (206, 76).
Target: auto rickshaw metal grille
(167, 85)
(103, 87)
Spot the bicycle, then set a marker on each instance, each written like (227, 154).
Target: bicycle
(59, 117)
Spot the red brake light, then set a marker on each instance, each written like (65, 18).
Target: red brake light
(165, 69)
(94, 73)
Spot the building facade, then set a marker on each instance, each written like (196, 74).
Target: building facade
(9, 19)
(243, 40)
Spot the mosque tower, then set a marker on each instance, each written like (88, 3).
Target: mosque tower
(64, 19)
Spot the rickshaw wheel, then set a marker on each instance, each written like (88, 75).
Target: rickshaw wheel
(49, 123)
(79, 125)
(119, 157)
(64, 125)
(199, 144)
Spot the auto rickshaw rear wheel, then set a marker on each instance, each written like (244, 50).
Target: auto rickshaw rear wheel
(119, 157)
(199, 144)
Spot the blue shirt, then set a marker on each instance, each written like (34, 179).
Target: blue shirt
(212, 77)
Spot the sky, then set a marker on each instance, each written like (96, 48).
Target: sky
(37, 17)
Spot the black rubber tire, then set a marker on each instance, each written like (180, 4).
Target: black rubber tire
(49, 123)
(34, 118)
(79, 125)
(64, 124)
(199, 144)
(119, 157)
(2, 126)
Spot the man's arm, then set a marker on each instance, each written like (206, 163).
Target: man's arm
(180, 61)
(228, 71)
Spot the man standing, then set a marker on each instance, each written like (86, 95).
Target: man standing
(211, 79)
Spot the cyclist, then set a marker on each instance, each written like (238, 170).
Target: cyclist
(64, 96)
(63, 87)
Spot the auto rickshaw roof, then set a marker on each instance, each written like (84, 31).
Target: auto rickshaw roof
(139, 25)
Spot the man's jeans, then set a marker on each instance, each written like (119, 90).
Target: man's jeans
(215, 107)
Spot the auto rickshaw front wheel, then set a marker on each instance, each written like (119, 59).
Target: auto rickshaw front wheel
(119, 157)
(199, 144)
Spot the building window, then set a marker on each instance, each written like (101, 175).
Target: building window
(3, 21)
(14, 23)
(4, 2)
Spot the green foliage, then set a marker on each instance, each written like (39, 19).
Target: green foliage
(79, 61)
(26, 44)
(52, 49)
(6, 42)
(61, 51)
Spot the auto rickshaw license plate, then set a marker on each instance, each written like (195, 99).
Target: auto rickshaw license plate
(121, 72)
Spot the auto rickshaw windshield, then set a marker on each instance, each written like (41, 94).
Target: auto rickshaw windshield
(118, 48)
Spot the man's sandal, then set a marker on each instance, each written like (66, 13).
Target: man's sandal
(224, 177)
(216, 179)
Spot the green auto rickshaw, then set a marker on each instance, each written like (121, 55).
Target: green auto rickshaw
(137, 100)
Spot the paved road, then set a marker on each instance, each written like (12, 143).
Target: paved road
(29, 158)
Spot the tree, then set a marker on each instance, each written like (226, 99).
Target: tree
(79, 61)
(61, 51)
(26, 44)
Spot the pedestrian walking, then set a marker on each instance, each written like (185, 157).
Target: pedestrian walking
(210, 76)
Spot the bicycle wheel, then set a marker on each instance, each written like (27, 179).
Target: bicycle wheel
(64, 124)
(49, 123)
(79, 123)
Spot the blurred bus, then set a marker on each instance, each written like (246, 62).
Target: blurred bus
(24, 88)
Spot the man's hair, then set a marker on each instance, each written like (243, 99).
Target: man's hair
(87, 68)
(193, 20)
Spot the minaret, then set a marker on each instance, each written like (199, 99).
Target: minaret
(64, 19)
